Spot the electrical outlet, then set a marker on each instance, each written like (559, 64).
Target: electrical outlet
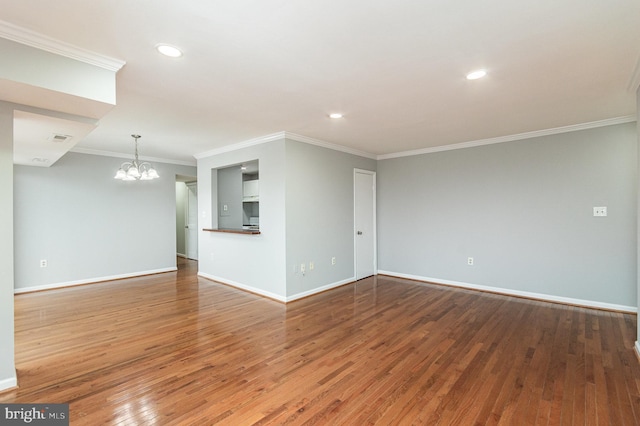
(311, 266)
(43, 263)
(302, 267)
(470, 261)
(599, 211)
(333, 260)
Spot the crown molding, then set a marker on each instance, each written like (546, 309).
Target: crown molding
(283, 135)
(462, 145)
(39, 41)
(512, 138)
(240, 145)
(335, 147)
(130, 156)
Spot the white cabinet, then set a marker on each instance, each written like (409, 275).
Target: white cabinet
(250, 190)
(251, 204)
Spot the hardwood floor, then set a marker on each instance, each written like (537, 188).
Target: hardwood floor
(174, 349)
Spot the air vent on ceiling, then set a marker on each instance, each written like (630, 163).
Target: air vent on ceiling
(57, 137)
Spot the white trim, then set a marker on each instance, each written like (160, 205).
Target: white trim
(317, 142)
(182, 255)
(9, 383)
(319, 289)
(470, 144)
(509, 292)
(39, 41)
(268, 294)
(637, 348)
(130, 156)
(92, 280)
(634, 80)
(283, 135)
(240, 145)
(244, 287)
(512, 138)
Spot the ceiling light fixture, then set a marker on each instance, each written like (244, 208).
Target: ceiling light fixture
(168, 50)
(135, 170)
(476, 74)
(335, 115)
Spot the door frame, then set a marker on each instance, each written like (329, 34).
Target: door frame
(375, 226)
(187, 239)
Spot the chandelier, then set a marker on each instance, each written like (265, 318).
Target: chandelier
(135, 170)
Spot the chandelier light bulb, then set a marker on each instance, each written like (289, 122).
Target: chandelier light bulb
(133, 172)
(120, 174)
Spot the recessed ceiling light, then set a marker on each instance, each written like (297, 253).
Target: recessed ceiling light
(335, 115)
(168, 50)
(476, 74)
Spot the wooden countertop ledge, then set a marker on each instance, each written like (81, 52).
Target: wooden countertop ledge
(234, 231)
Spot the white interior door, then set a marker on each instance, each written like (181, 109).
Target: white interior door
(365, 223)
(191, 227)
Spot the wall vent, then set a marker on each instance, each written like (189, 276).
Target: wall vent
(57, 137)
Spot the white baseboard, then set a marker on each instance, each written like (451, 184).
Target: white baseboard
(244, 287)
(92, 280)
(637, 347)
(319, 289)
(9, 383)
(279, 298)
(181, 255)
(518, 293)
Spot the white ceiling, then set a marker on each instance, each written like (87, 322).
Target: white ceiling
(396, 70)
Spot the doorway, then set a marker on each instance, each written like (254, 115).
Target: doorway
(187, 217)
(364, 196)
(191, 227)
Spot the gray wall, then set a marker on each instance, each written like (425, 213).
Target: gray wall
(523, 210)
(252, 262)
(306, 214)
(319, 210)
(7, 364)
(230, 194)
(89, 225)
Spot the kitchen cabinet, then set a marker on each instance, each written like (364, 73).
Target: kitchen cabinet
(250, 190)
(251, 204)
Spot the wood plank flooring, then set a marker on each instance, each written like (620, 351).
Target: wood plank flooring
(175, 349)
